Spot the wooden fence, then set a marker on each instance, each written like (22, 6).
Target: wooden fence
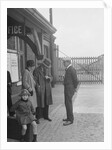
(89, 69)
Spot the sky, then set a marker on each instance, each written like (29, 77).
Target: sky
(80, 31)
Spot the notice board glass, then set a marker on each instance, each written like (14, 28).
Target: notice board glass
(12, 66)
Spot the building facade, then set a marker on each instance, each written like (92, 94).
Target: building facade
(29, 36)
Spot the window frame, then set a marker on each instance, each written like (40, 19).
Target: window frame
(20, 54)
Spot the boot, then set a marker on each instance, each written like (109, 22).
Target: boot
(37, 121)
(22, 139)
(34, 138)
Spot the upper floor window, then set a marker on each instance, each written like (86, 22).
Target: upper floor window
(12, 43)
(46, 51)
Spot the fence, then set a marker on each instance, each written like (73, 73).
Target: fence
(89, 69)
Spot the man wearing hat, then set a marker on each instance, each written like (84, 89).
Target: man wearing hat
(43, 88)
(70, 87)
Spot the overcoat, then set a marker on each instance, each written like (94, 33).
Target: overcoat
(29, 82)
(43, 88)
(48, 88)
(24, 111)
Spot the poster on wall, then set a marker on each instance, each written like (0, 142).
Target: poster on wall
(8, 63)
(12, 66)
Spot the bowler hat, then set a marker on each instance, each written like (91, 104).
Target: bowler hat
(25, 92)
(45, 61)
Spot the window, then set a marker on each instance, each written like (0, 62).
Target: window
(46, 52)
(12, 43)
(15, 57)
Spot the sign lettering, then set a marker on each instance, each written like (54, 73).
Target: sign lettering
(14, 30)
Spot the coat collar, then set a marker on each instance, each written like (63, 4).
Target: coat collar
(68, 66)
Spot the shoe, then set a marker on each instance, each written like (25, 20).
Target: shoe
(48, 119)
(65, 119)
(67, 123)
(34, 138)
(22, 138)
(37, 121)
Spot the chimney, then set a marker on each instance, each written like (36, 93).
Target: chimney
(50, 16)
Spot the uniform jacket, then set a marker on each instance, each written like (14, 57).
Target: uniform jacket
(24, 111)
(29, 82)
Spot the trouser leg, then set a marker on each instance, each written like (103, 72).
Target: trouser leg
(46, 108)
(45, 111)
(69, 107)
(34, 125)
(38, 113)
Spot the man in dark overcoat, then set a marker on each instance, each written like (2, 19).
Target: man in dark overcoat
(43, 90)
(70, 87)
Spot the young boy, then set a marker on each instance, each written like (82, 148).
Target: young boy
(24, 114)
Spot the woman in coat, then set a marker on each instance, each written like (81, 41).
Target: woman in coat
(28, 82)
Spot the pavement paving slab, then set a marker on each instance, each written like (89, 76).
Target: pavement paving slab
(88, 123)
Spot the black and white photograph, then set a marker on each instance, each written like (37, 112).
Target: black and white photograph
(58, 88)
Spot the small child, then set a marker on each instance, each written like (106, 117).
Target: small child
(24, 114)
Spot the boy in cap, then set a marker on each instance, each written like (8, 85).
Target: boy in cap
(25, 114)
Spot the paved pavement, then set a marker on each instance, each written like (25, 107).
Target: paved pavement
(88, 126)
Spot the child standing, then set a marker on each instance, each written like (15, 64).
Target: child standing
(25, 114)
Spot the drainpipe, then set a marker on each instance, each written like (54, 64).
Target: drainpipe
(25, 45)
(51, 47)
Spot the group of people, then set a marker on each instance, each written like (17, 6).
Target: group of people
(38, 82)
(36, 95)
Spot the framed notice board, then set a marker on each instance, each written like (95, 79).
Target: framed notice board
(12, 66)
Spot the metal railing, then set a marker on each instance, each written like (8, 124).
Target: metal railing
(89, 69)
